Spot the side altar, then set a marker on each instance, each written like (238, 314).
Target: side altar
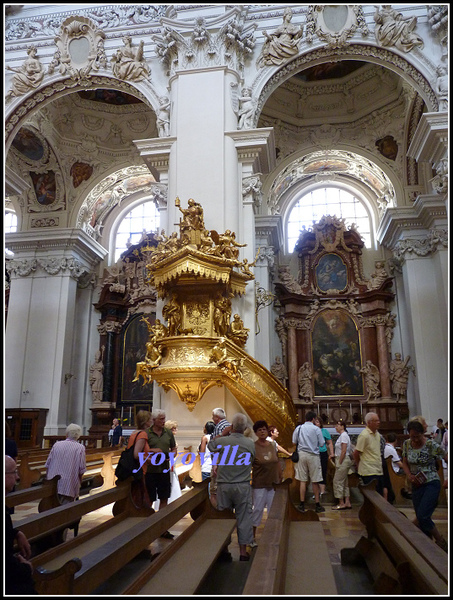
(197, 274)
(336, 328)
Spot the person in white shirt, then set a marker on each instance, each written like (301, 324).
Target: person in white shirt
(390, 450)
(309, 440)
(343, 462)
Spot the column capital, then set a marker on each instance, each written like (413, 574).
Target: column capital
(255, 147)
(430, 141)
(426, 214)
(60, 251)
(156, 154)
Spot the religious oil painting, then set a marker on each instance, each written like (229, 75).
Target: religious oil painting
(336, 355)
(29, 144)
(331, 273)
(133, 350)
(45, 187)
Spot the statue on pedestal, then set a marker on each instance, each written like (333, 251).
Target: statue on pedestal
(372, 379)
(305, 378)
(97, 376)
(399, 375)
(279, 371)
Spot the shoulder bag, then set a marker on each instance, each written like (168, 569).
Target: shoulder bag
(127, 464)
(295, 454)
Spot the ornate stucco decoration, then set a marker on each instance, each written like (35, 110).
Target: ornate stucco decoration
(128, 62)
(438, 20)
(334, 24)
(27, 77)
(393, 30)
(201, 344)
(421, 246)
(80, 49)
(333, 163)
(282, 44)
(112, 190)
(183, 45)
(350, 52)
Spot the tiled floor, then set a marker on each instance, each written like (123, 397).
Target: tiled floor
(342, 529)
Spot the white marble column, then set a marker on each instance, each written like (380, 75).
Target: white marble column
(41, 330)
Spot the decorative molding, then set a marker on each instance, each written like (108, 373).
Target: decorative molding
(411, 222)
(109, 327)
(80, 49)
(421, 247)
(335, 24)
(194, 46)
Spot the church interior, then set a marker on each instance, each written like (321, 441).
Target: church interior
(234, 206)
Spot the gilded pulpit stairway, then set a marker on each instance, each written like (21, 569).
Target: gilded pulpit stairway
(198, 273)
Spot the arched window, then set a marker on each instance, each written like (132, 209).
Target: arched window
(10, 222)
(144, 217)
(333, 201)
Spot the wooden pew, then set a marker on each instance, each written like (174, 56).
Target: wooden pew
(41, 524)
(46, 493)
(291, 550)
(191, 554)
(400, 557)
(32, 470)
(399, 482)
(101, 552)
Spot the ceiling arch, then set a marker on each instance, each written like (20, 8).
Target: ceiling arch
(20, 111)
(332, 166)
(271, 78)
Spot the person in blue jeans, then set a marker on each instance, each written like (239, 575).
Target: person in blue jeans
(420, 456)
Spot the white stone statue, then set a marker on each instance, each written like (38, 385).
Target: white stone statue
(28, 76)
(399, 375)
(279, 371)
(246, 110)
(442, 87)
(378, 277)
(372, 380)
(163, 117)
(392, 29)
(283, 43)
(305, 379)
(97, 376)
(128, 63)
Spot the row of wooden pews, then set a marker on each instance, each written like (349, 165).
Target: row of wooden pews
(400, 557)
(292, 557)
(82, 564)
(31, 466)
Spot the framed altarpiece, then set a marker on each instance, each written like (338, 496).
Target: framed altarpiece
(336, 327)
(127, 304)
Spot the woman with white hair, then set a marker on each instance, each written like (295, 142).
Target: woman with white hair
(67, 459)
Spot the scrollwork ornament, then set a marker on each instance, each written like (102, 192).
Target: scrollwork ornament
(52, 266)
(21, 268)
(109, 327)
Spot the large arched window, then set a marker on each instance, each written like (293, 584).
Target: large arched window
(334, 201)
(144, 217)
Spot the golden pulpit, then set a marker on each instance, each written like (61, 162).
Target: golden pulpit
(198, 273)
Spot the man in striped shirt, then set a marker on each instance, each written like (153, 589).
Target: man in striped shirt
(67, 459)
(222, 426)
